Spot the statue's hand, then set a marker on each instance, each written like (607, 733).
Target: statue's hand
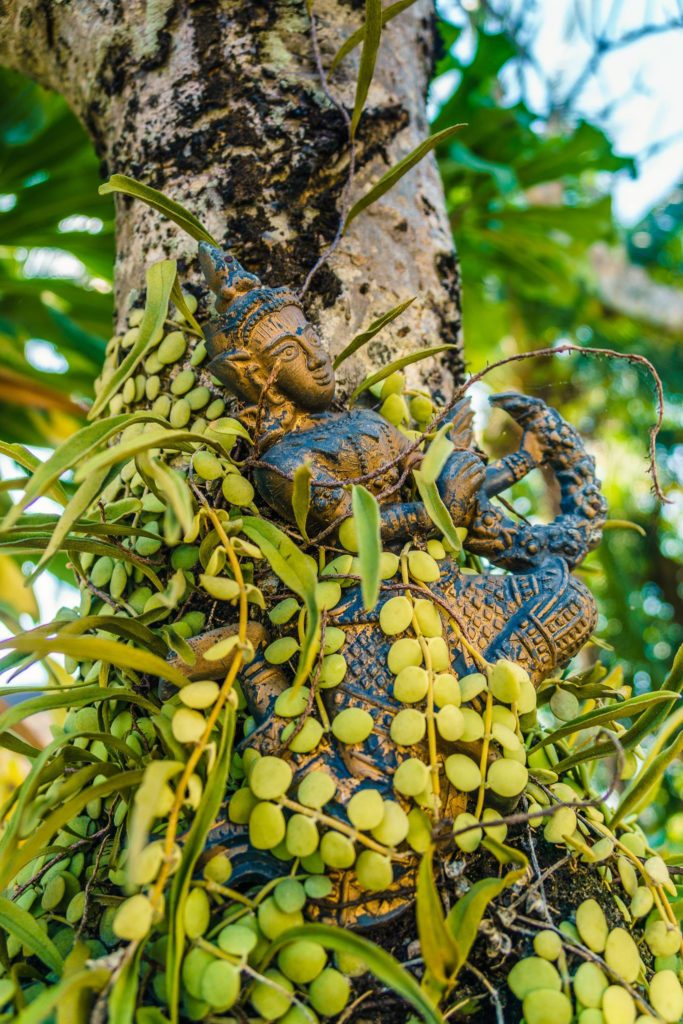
(461, 479)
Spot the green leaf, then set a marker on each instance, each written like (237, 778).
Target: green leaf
(602, 716)
(18, 922)
(180, 303)
(649, 776)
(366, 516)
(40, 838)
(145, 804)
(464, 919)
(375, 327)
(165, 439)
(160, 279)
(396, 172)
(28, 460)
(372, 33)
(74, 696)
(357, 37)
(70, 454)
(194, 843)
(399, 364)
(78, 505)
(76, 994)
(298, 572)
(436, 455)
(172, 486)
(122, 999)
(437, 945)
(35, 545)
(95, 649)
(437, 511)
(158, 201)
(385, 968)
(301, 496)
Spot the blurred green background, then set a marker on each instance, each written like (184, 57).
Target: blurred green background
(534, 185)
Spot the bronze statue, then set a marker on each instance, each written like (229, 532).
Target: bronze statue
(271, 358)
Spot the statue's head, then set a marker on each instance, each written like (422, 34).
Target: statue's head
(258, 328)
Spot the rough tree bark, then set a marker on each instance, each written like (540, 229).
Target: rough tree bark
(219, 103)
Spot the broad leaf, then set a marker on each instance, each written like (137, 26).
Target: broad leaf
(70, 454)
(602, 716)
(96, 649)
(298, 572)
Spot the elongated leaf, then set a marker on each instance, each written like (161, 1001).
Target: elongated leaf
(437, 944)
(165, 439)
(70, 454)
(180, 303)
(34, 845)
(368, 525)
(194, 844)
(301, 497)
(75, 1000)
(122, 999)
(78, 505)
(396, 172)
(145, 804)
(372, 33)
(399, 364)
(96, 649)
(650, 774)
(158, 201)
(602, 716)
(28, 460)
(437, 511)
(436, 455)
(172, 486)
(35, 545)
(160, 278)
(18, 922)
(384, 967)
(298, 572)
(464, 919)
(74, 696)
(375, 327)
(356, 38)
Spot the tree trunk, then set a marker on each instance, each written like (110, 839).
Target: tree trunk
(219, 104)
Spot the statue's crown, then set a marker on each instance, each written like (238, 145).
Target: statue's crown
(241, 299)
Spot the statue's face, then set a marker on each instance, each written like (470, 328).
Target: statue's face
(305, 372)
